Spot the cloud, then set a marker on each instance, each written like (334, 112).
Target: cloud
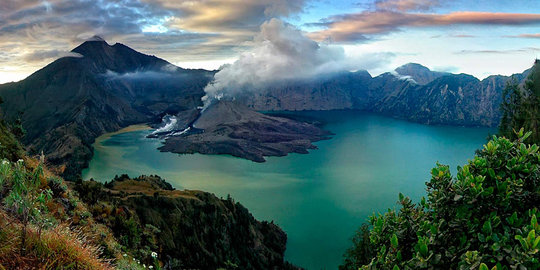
(462, 36)
(232, 22)
(139, 75)
(38, 56)
(282, 52)
(525, 36)
(402, 77)
(512, 51)
(179, 31)
(406, 5)
(358, 26)
(449, 69)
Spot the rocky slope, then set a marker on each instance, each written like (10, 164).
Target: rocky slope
(411, 92)
(227, 127)
(329, 92)
(191, 229)
(455, 100)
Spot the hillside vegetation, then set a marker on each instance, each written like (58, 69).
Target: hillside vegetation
(521, 106)
(42, 223)
(189, 229)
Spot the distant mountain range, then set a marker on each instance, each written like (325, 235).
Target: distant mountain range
(67, 104)
(411, 92)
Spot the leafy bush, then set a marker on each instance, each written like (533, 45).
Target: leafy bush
(485, 218)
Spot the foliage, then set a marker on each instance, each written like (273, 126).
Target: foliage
(17, 128)
(26, 200)
(485, 217)
(361, 252)
(188, 229)
(521, 106)
(10, 148)
(135, 237)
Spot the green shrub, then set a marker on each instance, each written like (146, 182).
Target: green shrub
(25, 199)
(485, 217)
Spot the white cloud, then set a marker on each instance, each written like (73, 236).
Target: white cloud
(282, 52)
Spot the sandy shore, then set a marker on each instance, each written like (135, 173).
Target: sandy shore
(131, 128)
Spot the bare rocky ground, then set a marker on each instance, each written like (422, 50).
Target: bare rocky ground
(229, 128)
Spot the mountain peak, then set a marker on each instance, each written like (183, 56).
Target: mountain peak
(94, 48)
(117, 58)
(411, 67)
(96, 38)
(419, 73)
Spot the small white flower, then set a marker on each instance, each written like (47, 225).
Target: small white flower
(154, 254)
(125, 255)
(151, 267)
(144, 265)
(4, 162)
(133, 259)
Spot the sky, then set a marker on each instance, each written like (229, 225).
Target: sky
(480, 37)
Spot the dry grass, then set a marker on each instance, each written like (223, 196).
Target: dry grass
(135, 188)
(58, 248)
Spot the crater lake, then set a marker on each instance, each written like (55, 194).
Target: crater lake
(319, 199)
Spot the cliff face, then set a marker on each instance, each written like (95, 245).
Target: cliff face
(412, 92)
(452, 99)
(192, 229)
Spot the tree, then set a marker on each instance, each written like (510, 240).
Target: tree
(361, 252)
(521, 106)
(485, 217)
(17, 128)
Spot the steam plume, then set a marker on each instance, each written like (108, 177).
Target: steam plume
(280, 52)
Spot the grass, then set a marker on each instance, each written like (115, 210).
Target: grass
(57, 248)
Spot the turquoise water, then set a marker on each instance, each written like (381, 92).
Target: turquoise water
(320, 198)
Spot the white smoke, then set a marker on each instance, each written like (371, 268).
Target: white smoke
(280, 51)
(169, 124)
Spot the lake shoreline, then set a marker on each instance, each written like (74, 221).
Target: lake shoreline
(132, 128)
